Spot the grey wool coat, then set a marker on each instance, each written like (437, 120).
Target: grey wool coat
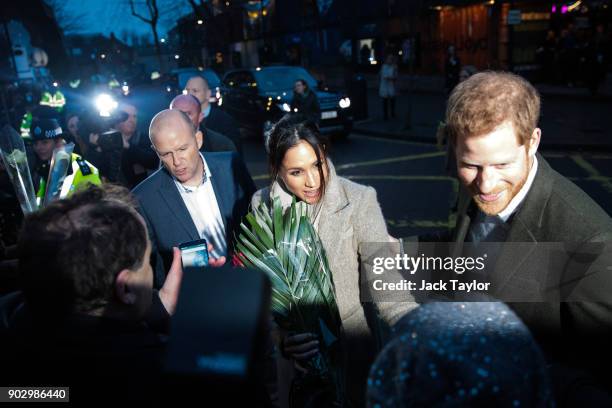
(350, 217)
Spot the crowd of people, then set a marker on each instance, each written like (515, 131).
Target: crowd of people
(576, 57)
(100, 271)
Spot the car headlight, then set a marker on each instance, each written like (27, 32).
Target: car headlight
(285, 107)
(345, 102)
(105, 104)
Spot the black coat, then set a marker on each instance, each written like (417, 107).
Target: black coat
(216, 142)
(119, 166)
(89, 354)
(577, 331)
(307, 104)
(221, 122)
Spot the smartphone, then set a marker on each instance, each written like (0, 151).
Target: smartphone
(194, 253)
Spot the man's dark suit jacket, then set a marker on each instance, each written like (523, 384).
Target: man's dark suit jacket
(216, 142)
(168, 220)
(556, 210)
(221, 122)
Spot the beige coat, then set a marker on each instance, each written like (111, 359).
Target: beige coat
(350, 217)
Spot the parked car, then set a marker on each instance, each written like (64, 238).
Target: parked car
(180, 76)
(257, 97)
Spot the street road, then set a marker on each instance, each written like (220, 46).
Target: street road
(413, 188)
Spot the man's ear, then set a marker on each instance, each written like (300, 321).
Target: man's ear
(123, 290)
(199, 139)
(534, 142)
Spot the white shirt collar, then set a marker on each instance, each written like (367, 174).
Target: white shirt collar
(207, 110)
(205, 177)
(513, 205)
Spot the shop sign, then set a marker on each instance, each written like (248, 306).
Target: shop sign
(514, 17)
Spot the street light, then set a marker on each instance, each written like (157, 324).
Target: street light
(200, 22)
(176, 56)
(163, 40)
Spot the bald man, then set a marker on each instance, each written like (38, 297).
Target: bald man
(193, 195)
(212, 141)
(214, 118)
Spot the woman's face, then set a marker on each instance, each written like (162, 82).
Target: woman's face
(73, 125)
(299, 87)
(300, 172)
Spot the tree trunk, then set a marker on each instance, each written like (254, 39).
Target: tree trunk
(158, 50)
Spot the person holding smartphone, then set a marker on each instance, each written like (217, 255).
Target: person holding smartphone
(194, 195)
(345, 215)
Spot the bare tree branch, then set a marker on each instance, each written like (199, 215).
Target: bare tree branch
(69, 21)
(135, 14)
(197, 8)
(152, 22)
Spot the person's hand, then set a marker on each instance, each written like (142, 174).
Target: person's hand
(93, 138)
(215, 262)
(168, 294)
(236, 261)
(300, 347)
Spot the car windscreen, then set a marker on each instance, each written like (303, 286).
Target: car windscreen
(275, 79)
(211, 77)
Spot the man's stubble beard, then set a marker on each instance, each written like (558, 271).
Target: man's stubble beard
(492, 208)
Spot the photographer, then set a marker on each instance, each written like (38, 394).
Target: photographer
(121, 155)
(138, 156)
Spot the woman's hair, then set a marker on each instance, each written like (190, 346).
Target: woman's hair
(70, 115)
(287, 133)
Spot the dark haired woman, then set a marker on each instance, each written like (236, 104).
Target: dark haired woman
(72, 125)
(305, 101)
(346, 215)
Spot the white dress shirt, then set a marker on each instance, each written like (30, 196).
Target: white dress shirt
(201, 202)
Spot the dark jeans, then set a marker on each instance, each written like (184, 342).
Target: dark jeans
(386, 103)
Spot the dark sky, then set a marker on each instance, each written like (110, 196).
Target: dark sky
(106, 16)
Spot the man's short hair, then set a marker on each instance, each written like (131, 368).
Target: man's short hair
(71, 252)
(486, 100)
(154, 126)
(192, 98)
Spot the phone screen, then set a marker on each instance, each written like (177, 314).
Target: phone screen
(194, 253)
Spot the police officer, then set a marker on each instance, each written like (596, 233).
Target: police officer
(46, 135)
